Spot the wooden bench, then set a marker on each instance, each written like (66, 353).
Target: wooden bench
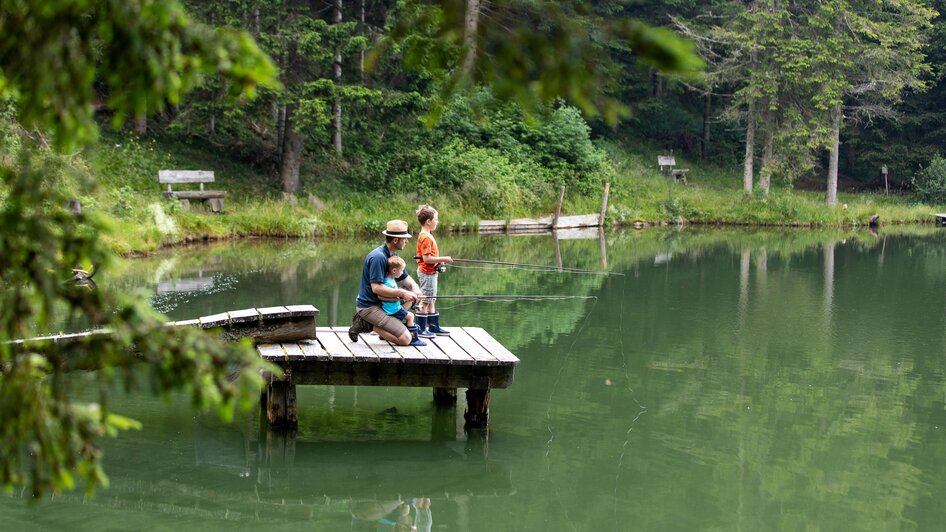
(213, 198)
(667, 162)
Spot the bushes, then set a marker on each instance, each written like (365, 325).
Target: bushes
(485, 178)
(930, 183)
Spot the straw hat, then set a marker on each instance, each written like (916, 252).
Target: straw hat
(396, 228)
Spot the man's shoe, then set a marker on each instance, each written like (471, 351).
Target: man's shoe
(358, 326)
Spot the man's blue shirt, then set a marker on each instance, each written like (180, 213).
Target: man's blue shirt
(374, 271)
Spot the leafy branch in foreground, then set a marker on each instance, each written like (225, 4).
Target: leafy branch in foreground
(142, 54)
(47, 437)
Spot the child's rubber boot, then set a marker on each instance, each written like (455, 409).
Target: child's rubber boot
(415, 341)
(433, 323)
(423, 324)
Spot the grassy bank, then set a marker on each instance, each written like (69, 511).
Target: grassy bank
(129, 195)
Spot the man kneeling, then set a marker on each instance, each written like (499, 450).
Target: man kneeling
(372, 289)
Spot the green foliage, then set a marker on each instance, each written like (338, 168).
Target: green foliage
(929, 185)
(146, 51)
(531, 52)
(47, 437)
(483, 178)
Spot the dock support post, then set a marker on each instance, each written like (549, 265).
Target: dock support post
(477, 403)
(280, 401)
(445, 396)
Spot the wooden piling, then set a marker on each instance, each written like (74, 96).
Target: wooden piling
(604, 203)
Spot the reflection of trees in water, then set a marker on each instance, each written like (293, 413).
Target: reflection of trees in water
(801, 414)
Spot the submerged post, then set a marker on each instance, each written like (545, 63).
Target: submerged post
(477, 402)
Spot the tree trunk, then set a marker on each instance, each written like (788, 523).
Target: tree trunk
(337, 137)
(831, 194)
(256, 23)
(361, 59)
(707, 110)
(765, 173)
(140, 125)
(659, 86)
(470, 23)
(280, 127)
(291, 156)
(750, 151)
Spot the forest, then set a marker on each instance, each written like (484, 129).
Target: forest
(499, 103)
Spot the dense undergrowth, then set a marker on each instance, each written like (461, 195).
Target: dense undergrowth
(129, 195)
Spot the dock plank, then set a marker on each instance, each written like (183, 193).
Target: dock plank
(302, 311)
(359, 349)
(313, 350)
(293, 351)
(216, 320)
(453, 350)
(480, 354)
(333, 345)
(270, 313)
(434, 354)
(493, 345)
(382, 349)
(271, 352)
(244, 316)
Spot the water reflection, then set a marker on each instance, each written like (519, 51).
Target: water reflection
(750, 380)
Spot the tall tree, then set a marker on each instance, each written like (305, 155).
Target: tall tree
(864, 61)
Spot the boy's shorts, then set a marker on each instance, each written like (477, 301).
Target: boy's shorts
(399, 315)
(428, 284)
(377, 317)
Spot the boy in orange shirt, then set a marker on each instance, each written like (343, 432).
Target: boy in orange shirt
(429, 265)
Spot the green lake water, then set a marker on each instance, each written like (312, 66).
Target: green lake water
(728, 380)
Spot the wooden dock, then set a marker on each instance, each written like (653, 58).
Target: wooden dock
(287, 336)
(548, 223)
(469, 358)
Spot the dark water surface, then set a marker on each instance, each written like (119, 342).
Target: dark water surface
(729, 380)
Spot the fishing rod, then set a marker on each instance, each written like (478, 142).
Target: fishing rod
(509, 296)
(539, 266)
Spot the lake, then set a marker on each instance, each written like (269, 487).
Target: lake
(720, 379)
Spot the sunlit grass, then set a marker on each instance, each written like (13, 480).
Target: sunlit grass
(129, 195)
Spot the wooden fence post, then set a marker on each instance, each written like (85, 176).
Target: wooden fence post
(604, 203)
(558, 207)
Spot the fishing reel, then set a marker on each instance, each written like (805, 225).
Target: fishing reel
(440, 267)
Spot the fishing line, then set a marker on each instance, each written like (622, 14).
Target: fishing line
(530, 267)
(548, 413)
(642, 411)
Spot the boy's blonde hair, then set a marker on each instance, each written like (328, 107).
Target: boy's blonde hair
(425, 212)
(395, 262)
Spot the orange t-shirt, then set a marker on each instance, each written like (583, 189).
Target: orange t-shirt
(426, 245)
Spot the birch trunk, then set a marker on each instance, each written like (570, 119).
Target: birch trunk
(707, 110)
(750, 152)
(765, 173)
(470, 24)
(831, 194)
(291, 161)
(337, 137)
